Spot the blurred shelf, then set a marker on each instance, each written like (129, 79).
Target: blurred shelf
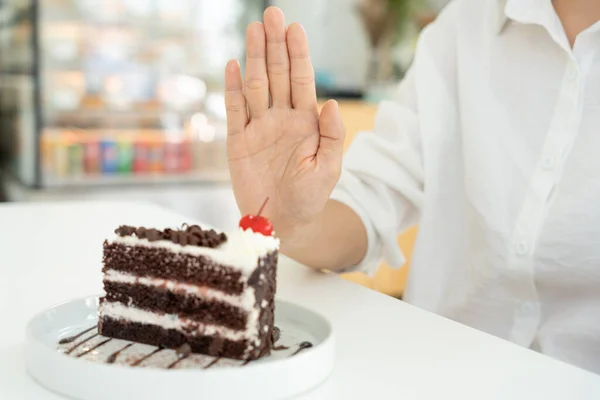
(115, 74)
(18, 17)
(16, 72)
(70, 117)
(156, 26)
(149, 179)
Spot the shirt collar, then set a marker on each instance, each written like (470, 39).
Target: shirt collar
(538, 12)
(498, 16)
(528, 11)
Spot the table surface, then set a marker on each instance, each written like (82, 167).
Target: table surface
(385, 348)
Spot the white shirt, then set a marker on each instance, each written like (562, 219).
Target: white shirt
(492, 146)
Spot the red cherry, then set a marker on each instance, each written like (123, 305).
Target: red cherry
(247, 222)
(257, 223)
(263, 225)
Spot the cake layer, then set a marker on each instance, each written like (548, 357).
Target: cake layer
(120, 311)
(218, 297)
(170, 338)
(240, 251)
(161, 299)
(244, 301)
(159, 262)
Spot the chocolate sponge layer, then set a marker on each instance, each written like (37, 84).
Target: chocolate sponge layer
(169, 338)
(161, 263)
(161, 300)
(157, 262)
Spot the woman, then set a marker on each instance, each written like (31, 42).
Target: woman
(490, 146)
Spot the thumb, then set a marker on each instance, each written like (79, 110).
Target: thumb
(333, 133)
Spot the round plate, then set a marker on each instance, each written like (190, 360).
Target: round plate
(89, 377)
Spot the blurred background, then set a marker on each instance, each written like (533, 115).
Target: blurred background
(123, 99)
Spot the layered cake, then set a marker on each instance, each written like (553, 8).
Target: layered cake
(191, 286)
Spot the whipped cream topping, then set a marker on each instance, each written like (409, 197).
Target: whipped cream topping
(249, 244)
(242, 249)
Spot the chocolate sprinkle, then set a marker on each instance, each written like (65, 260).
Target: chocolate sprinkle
(275, 334)
(192, 235)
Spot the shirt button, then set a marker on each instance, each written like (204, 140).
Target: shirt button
(528, 307)
(522, 248)
(548, 163)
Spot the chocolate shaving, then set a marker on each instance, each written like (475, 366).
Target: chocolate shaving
(254, 277)
(192, 235)
(275, 334)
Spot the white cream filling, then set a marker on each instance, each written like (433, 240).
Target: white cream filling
(172, 321)
(242, 249)
(244, 301)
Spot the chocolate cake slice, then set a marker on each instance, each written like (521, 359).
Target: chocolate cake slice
(213, 291)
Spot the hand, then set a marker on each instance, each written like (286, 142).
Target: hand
(278, 144)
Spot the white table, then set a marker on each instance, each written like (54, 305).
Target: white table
(385, 348)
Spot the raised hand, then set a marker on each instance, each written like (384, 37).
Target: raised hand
(279, 145)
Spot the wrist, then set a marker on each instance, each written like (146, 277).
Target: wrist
(297, 237)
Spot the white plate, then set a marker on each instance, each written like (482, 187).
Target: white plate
(278, 376)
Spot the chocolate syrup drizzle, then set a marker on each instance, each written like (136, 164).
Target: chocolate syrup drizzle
(147, 356)
(80, 343)
(93, 348)
(302, 346)
(113, 357)
(71, 339)
(213, 362)
(182, 352)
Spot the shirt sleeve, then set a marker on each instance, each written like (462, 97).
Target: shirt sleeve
(382, 178)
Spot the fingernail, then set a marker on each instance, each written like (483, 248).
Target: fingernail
(231, 64)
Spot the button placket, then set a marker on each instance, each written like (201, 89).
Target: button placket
(561, 135)
(522, 248)
(573, 72)
(529, 221)
(528, 308)
(548, 163)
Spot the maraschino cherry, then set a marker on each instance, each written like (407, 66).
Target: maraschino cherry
(257, 223)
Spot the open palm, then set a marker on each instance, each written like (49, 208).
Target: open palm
(278, 144)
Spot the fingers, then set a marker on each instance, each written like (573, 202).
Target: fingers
(333, 133)
(302, 75)
(278, 62)
(256, 84)
(235, 102)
